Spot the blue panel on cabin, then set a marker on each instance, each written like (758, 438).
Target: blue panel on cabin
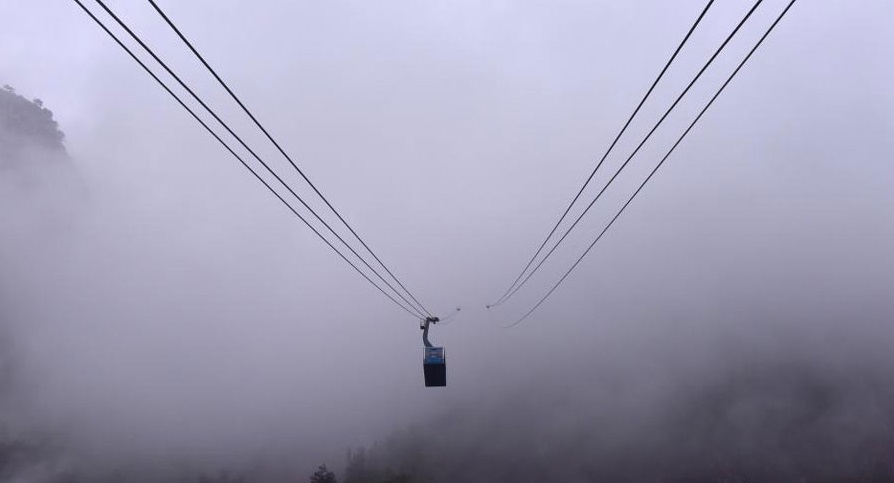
(434, 367)
(433, 355)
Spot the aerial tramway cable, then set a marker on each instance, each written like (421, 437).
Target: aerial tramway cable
(660, 163)
(257, 123)
(252, 152)
(419, 314)
(635, 151)
(642, 101)
(239, 158)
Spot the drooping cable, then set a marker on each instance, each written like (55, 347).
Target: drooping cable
(642, 101)
(239, 158)
(280, 149)
(447, 320)
(251, 151)
(635, 151)
(655, 170)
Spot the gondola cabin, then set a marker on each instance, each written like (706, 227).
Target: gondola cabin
(434, 367)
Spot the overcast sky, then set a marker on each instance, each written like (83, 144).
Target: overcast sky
(186, 307)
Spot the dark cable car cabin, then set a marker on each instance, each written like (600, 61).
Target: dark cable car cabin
(434, 367)
(434, 364)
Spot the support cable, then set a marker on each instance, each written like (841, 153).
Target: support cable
(635, 151)
(642, 101)
(251, 151)
(660, 163)
(280, 149)
(239, 158)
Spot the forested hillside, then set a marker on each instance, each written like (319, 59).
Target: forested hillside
(782, 419)
(31, 146)
(25, 126)
(28, 133)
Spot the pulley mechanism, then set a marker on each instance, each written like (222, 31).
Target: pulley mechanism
(434, 364)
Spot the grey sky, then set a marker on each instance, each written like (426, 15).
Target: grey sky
(187, 307)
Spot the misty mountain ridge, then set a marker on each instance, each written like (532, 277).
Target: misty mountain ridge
(26, 127)
(809, 414)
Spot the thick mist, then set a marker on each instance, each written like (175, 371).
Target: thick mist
(162, 315)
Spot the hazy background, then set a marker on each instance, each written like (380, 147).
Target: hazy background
(167, 307)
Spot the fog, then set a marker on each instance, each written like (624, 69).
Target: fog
(160, 309)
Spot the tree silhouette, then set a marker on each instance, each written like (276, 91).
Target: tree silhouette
(323, 475)
(26, 125)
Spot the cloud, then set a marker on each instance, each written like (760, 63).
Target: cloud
(172, 308)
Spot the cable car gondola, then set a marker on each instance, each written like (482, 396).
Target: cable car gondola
(434, 364)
